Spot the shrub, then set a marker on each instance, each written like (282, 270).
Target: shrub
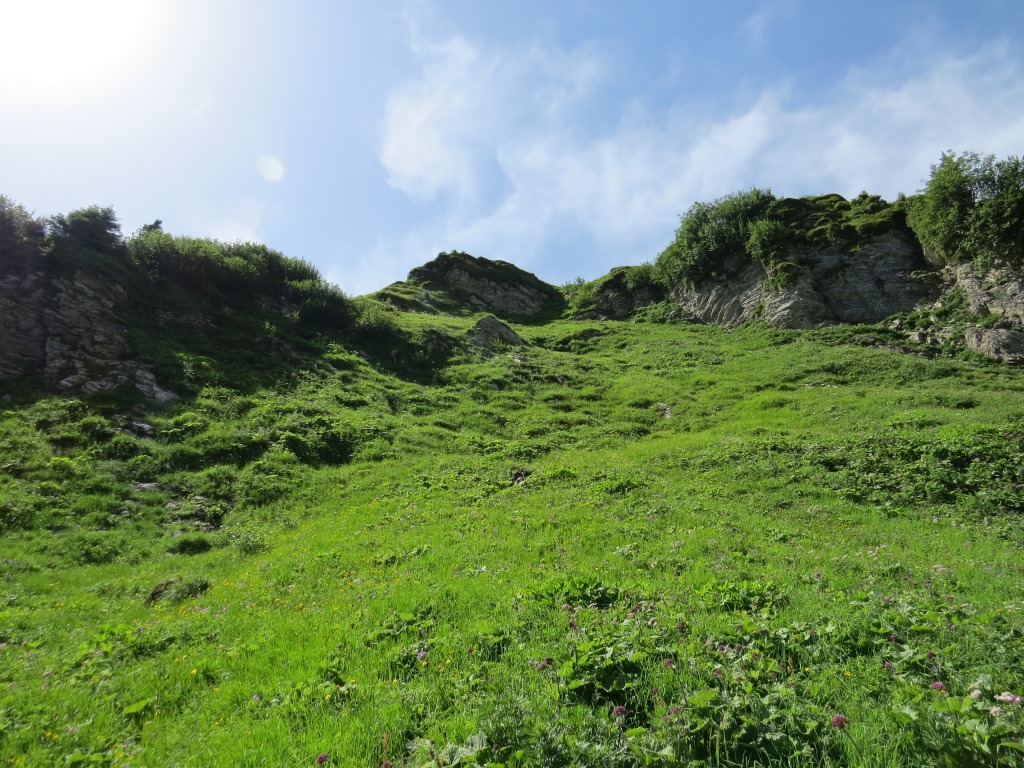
(712, 237)
(190, 544)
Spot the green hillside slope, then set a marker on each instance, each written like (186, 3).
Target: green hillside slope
(623, 544)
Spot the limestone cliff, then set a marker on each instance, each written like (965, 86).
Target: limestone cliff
(69, 329)
(884, 276)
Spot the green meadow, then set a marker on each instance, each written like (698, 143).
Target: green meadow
(624, 544)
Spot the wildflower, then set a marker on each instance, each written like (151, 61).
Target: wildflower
(937, 686)
(386, 764)
(421, 655)
(619, 711)
(668, 664)
(887, 665)
(996, 711)
(1008, 698)
(976, 694)
(839, 722)
(469, 650)
(322, 758)
(931, 654)
(654, 690)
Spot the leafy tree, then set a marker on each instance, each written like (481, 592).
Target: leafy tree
(972, 208)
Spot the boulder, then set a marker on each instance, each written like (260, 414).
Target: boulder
(1003, 344)
(489, 333)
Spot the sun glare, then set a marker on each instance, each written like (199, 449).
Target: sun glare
(75, 45)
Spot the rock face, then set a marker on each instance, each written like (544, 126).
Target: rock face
(616, 300)
(68, 329)
(489, 286)
(885, 276)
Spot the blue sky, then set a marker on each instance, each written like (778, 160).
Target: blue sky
(566, 137)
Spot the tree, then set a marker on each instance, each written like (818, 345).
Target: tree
(972, 209)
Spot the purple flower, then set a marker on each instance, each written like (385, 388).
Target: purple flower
(668, 663)
(619, 711)
(839, 722)
(421, 655)
(322, 758)
(386, 764)
(887, 665)
(931, 654)
(937, 686)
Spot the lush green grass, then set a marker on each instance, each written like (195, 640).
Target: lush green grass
(626, 544)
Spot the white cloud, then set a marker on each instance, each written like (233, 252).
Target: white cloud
(477, 112)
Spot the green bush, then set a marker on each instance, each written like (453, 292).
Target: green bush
(766, 245)
(712, 237)
(190, 544)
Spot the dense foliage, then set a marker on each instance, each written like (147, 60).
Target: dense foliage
(711, 239)
(972, 209)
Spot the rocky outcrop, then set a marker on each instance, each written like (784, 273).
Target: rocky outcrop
(68, 329)
(885, 276)
(484, 285)
(1003, 344)
(999, 291)
(489, 333)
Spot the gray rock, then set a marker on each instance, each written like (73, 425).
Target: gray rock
(142, 429)
(1002, 344)
(489, 333)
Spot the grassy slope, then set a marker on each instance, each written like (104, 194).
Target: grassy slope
(733, 576)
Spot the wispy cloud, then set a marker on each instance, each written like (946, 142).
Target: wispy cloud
(755, 25)
(476, 112)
